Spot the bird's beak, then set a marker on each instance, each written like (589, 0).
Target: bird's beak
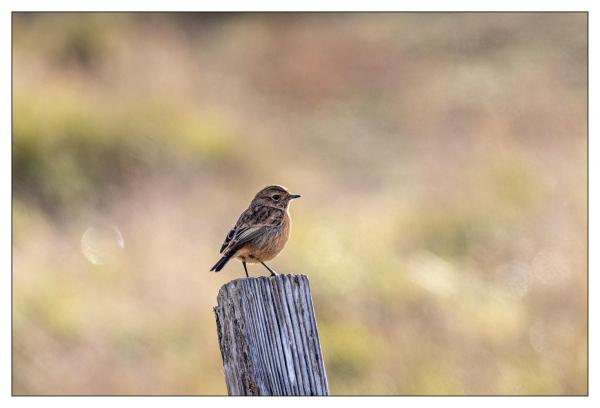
(292, 196)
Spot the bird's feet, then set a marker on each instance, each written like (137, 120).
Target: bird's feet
(273, 273)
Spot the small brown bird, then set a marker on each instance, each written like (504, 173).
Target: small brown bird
(261, 231)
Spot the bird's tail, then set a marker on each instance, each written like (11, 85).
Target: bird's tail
(222, 262)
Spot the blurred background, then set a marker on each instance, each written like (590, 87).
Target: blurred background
(442, 162)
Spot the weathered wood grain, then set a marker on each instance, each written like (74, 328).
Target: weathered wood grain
(268, 337)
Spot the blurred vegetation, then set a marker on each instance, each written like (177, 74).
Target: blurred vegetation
(441, 159)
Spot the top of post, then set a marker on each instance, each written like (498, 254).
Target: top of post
(262, 280)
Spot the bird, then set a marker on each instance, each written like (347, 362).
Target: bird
(261, 231)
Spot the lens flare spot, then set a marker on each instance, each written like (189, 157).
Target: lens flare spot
(550, 268)
(101, 244)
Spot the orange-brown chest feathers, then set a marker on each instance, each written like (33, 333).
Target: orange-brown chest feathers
(282, 237)
(268, 245)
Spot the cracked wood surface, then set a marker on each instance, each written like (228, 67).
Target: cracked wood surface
(268, 337)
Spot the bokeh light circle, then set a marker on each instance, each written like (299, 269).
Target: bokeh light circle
(101, 244)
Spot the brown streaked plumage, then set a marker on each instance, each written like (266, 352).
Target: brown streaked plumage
(261, 231)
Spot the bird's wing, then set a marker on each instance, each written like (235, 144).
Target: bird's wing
(245, 235)
(239, 225)
(228, 239)
(252, 223)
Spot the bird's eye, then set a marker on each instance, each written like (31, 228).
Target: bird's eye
(276, 197)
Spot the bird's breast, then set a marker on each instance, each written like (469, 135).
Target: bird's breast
(269, 245)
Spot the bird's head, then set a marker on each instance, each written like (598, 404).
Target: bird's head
(274, 196)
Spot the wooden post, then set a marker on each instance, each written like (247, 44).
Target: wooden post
(268, 337)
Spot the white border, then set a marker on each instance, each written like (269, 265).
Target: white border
(265, 5)
(301, 5)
